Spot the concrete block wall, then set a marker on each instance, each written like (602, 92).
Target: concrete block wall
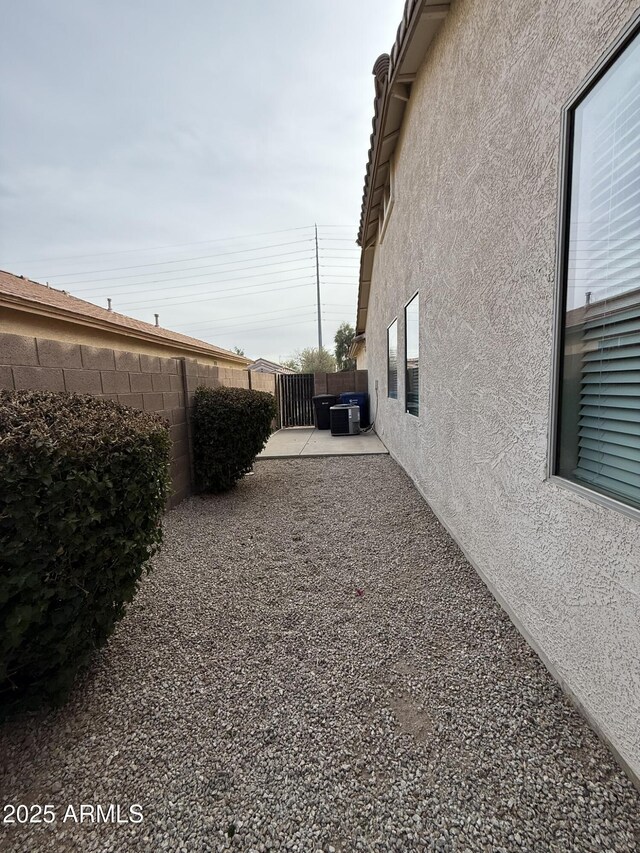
(150, 383)
(262, 381)
(340, 383)
(211, 377)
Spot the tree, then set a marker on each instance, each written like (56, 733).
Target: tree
(344, 337)
(317, 361)
(293, 362)
(239, 351)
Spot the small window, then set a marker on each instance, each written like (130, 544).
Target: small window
(412, 353)
(598, 435)
(392, 360)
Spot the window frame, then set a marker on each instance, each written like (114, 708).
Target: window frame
(390, 396)
(406, 384)
(563, 220)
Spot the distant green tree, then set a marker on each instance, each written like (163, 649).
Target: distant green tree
(344, 337)
(317, 361)
(292, 363)
(239, 351)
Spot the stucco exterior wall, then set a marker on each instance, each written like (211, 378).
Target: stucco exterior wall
(473, 230)
(361, 357)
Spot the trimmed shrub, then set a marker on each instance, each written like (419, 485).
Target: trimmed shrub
(83, 486)
(230, 426)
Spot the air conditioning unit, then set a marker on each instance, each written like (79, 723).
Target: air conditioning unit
(345, 419)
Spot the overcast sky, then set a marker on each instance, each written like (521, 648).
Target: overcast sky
(137, 138)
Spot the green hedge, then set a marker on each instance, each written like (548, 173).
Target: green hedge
(230, 426)
(83, 486)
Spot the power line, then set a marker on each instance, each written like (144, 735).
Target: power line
(342, 275)
(204, 267)
(318, 292)
(186, 296)
(217, 298)
(239, 289)
(307, 319)
(176, 282)
(181, 260)
(182, 294)
(276, 325)
(303, 319)
(340, 305)
(218, 329)
(240, 316)
(167, 246)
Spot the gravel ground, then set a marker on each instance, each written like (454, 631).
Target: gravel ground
(313, 666)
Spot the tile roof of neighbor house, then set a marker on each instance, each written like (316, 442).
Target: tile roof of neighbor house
(272, 366)
(23, 292)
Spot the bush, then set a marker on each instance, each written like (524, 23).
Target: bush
(230, 426)
(83, 485)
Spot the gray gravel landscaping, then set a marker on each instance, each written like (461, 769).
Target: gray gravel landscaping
(313, 666)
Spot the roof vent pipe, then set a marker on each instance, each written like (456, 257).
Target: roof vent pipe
(108, 304)
(157, 316)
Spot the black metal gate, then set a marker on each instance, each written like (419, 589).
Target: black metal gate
(295, 394)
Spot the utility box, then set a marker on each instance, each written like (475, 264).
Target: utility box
(361, 399)
(345, 419)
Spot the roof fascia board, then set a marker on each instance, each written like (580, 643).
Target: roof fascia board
(66, 315)
(397, 86)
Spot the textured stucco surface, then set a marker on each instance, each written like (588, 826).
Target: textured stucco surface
(473, 230)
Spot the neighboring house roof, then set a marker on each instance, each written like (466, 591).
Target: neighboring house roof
(265, 366)
(394, 75)
(607, 306)
(357, 342)
(22, 293)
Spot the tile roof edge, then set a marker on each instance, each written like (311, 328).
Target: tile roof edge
(77, 316)
(384, 70)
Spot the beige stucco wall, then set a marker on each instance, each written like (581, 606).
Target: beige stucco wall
(31, 324)
(473, 230)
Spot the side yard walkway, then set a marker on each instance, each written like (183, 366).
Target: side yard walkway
(314, 666)
(308, 441)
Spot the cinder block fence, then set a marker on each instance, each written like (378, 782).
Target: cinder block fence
(151, 383)
(341, 383)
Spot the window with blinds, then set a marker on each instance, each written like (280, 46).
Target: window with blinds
(412, 356)
(392, 360)
(599, 424)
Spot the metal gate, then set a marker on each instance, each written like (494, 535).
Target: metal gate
(295, 394)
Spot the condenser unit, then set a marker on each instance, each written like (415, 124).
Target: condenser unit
(345, 419)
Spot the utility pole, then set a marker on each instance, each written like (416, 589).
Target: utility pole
(318, 292)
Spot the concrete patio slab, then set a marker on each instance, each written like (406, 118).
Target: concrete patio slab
(307, 441)
(286, 442)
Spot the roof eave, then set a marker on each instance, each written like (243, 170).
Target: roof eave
(65, 314)
(420, 23)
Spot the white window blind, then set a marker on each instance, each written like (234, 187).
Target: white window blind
(603, 281)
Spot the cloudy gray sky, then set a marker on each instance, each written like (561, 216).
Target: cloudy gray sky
(158, 152)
